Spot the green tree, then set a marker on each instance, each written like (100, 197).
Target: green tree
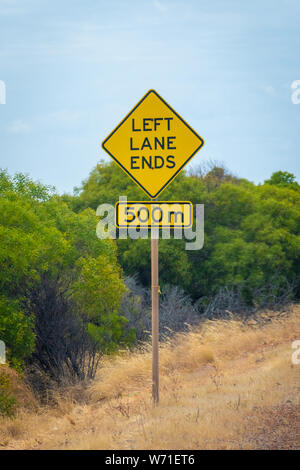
(283, 179)
(54, 270)
(251, 231)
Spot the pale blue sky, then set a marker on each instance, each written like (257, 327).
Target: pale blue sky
(74, 68)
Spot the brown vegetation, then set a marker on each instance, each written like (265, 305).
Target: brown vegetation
(224, 385)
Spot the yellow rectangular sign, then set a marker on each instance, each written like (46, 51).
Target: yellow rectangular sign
(154, 214)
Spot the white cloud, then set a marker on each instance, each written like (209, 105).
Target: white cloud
(160, 6)
(13, 7)
(19, 127)
(63, 119)
(64, 116)
(270, 90)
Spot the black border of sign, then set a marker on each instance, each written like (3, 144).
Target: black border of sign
(182, 166)
(151, 203)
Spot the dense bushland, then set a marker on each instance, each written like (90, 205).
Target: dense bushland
(60, 286)
(67, 298)
(252, 232)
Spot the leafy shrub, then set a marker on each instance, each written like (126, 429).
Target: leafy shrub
(8, 403)
(17, 332)
(251, 231)
(60, 286)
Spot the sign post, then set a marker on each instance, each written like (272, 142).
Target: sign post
(155, 319)
(152, 144)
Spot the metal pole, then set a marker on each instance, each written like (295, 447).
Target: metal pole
(155, 324)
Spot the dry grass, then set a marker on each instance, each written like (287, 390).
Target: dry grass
(20, 390)
(223, 386)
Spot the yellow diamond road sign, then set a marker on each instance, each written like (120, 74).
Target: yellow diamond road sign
(152, 144)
